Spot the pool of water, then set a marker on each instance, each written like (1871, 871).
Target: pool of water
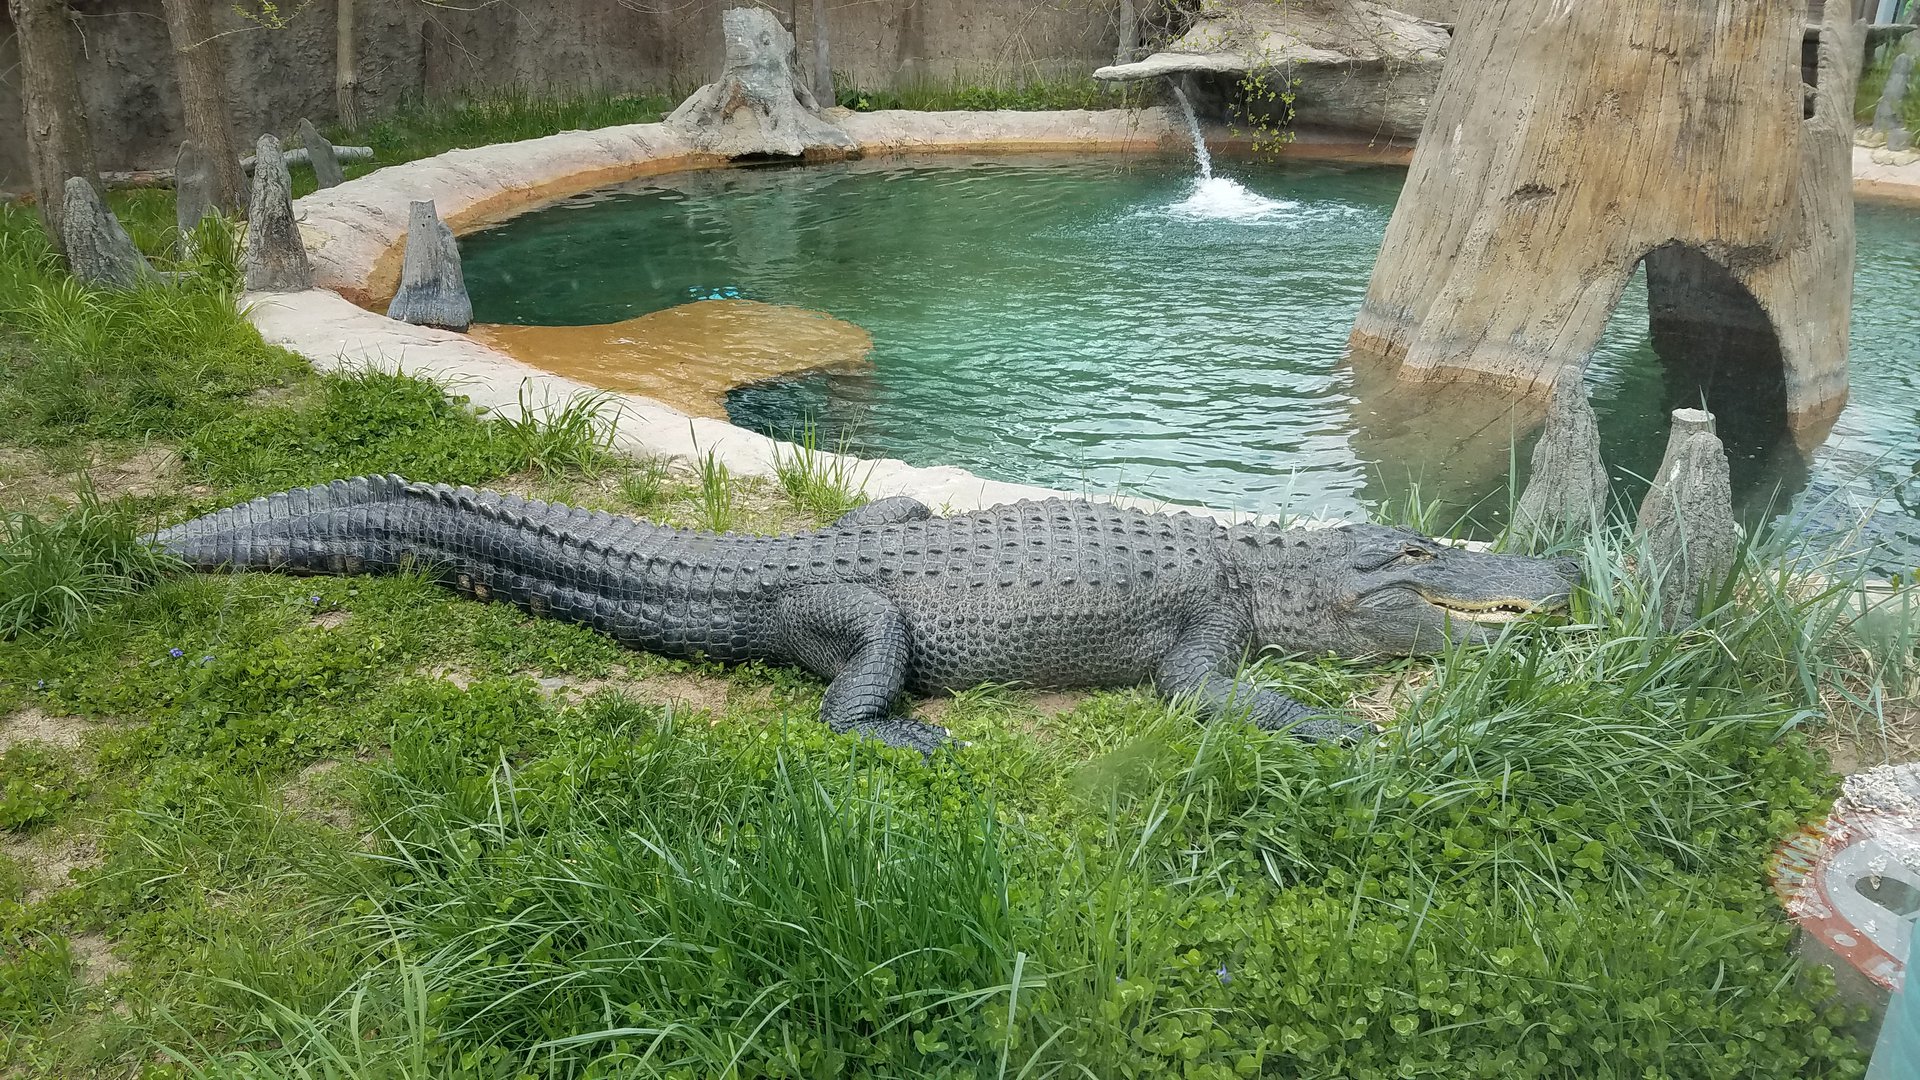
(1105, 324)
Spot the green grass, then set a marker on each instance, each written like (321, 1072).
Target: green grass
(425, 128)
(160, 360)
(1549, 865)
(826, 483)
(368, 422)
(1030, 96)
(716, 495)
(57, 575)
(36, 784)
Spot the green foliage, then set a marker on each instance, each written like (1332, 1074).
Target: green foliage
(825, 484)
(158, 360)
(372, 422)
(55, 575)
(1036, 95)
(715, 511)
(36, 783)
(576, 436)
(644, 487)
(36, 977)
(1264, 103)
(1548, 866)
(423, 129)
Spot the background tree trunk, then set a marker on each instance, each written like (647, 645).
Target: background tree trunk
(58, 143)
(346, 72)
(1570, 141)
(201, 69)
(822, 67)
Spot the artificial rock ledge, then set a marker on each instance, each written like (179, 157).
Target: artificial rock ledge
(1362, 66)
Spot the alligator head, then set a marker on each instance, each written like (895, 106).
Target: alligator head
(1370, 590)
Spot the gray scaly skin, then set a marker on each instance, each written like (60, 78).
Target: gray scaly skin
(888, 599)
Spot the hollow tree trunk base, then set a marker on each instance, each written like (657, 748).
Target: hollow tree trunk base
(1570, 142)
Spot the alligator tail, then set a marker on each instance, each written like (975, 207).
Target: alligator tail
(349, 526)
(375, 524)
(553, 560)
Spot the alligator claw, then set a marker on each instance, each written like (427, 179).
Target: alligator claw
(905, 733)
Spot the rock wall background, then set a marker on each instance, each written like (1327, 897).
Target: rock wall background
(413, 49)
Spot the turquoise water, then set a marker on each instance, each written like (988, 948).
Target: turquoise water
(1097, 324)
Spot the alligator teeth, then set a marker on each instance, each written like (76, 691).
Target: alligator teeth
(1497, 611)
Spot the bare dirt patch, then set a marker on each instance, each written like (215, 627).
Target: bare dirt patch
(1382, 705)
(697, 693)
(151, 470)
(684, 690)
(1028, 710)
(331, 620)
(53, 479)
(1855, 741)
(459, 677)
(36, 725)
(93, 955)
(50, 858)
(312, 795)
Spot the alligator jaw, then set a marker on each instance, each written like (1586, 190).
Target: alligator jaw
(1504, 610)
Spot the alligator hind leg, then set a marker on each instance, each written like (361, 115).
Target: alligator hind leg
(856, 639)
(892, 510)
(1200, 670)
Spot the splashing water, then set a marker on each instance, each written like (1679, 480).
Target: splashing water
(1216, 197)
(1200, 155)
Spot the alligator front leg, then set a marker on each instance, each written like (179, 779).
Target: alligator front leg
(856, 639)
(1200, 670)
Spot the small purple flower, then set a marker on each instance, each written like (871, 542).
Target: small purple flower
(39, 684)
(1226, 977)
(314, 600)
(207, 659)
(176, 653)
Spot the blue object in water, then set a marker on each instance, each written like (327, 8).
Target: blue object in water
(1897, 1056)
(702, 292)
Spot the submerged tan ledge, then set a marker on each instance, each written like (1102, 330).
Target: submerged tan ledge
(688, 356)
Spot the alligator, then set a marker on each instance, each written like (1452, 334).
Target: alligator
(1050, 594)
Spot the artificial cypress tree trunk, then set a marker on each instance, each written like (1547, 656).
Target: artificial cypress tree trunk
(346, 72)
(201, 69)
(822, 65)
(1568, 142)
(58, 142)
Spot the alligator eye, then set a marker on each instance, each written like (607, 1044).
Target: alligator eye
(1416, 553)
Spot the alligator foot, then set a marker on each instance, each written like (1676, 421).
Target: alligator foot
(1325, 729)
(899, 731)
